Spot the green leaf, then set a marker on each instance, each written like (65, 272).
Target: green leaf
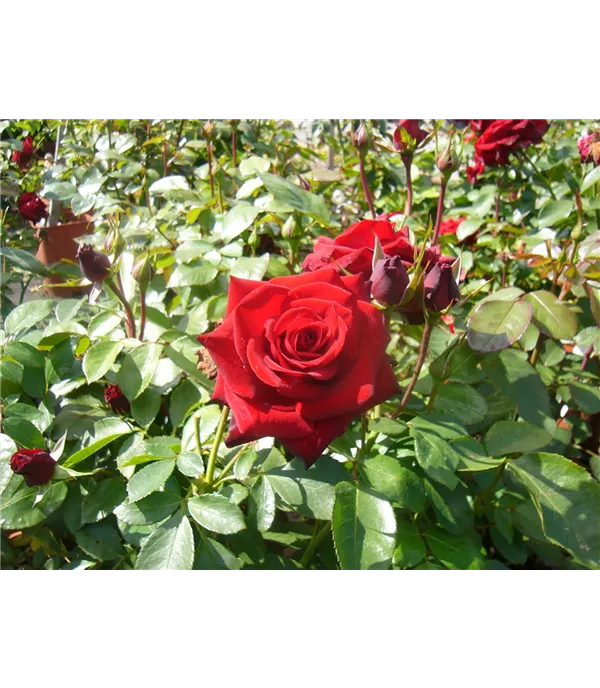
(149, 479)
(397, 483)
(176, 182)
(186, 364)
(461, 401)
(410, 548)
(552, 353)
(212, 555)
(467, 228)
(262, 504)
(473, 456)
(508, 437)
(388, 426)
(152, 509)
(137, 369)
(459, 364)
(99, 359)
(585, 396)
(24, 433)
(496, 325)
(24, 261)
(554, 212)
(567, 499)
(251, 268)
(309, 491)
(102, 499)
(195, 273)
(253, 165)
(436, 457)
(59, 191)
(101, 541)
(105, 431)
(452, 507)
(217, 514)
(27, 315)
(184, 398)
(171, 546)
(237, 220)
(512, 375)
(552, 316)
(292, 195)
(591, 178)
(453, 551)
(190, 464)
(21, 506)
(146, 406)
(364, 528)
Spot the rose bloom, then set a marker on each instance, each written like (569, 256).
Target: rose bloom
(31, 207)
(411, 127)
(501, 137)
(451, 225)
(23, 157)
(115, 398)
(35, 465)
(298, 358)
(589, 148)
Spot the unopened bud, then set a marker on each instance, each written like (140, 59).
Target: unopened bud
(207, 130)
(445, 161)
(440, 289)
(288, 228)
(93, 264)
(389, 281)
(361, 139)
(142, 273)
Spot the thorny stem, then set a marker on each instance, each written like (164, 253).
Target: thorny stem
(407, 160)
(210, 469)
(415, 376)
(440, 211)
(120, 294)
(317, 538)
(483, 496)
(142, 315)
(365, 186)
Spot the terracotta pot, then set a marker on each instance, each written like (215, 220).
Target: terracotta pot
(56, 245)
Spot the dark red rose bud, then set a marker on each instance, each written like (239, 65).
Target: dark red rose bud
(94, 265)
(440, 288)
(410, 127)
(117, 401)
(23, 157)
(389, 280)
(32, 207)
(35, 465)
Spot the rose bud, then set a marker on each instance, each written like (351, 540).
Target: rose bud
(35, 465)
(32, 207)
(23, 157)
(446, 161)
(142, 273)
(410, 127)
(440, 288)
(94, 265)
(117, 401)
(361, 138)
(389, 280)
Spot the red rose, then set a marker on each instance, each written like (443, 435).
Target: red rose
(410, 127)
(298, 358)
(35, 465)
(389, 280)
(352, 250)
(93, 264)
(589, 148)
(117, 401)
(450, 226)
(474, 170)
(32, 207)
(502, 137)
(23, 157)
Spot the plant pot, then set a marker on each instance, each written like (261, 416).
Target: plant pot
(57, 244)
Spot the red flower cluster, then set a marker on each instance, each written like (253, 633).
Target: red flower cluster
(31, 207)
(589, 148)
(115, 398)
(298, 358)
(24, 156)
(35, 465)
(498, 138)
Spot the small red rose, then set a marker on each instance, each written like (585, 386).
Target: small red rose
(451, 225)
(35, 465)
(93, 264)
(31, 207)
(115, 398)
(298, 358)
(501, 137)
(23, 157)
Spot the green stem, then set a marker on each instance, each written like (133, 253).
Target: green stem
(483, 496)
(365, 185)
(197, 434)
(142, 315)
(440, 211)
(317, 538)
(420, 360)
(210, 469)
(228, 467)
(120, 294)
